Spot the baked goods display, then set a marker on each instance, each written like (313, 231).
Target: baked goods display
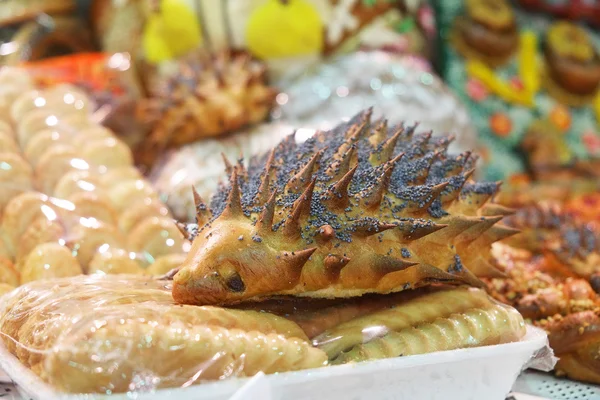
(552, 279)
(363, 228)
(103, 334)
(402, 88)
(71, 201)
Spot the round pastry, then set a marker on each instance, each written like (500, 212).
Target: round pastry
(166, 263)
(41, 230)
(90, 205)
(35, 121)
(5, 288)
(77, 181)
(47, 261)
(92, 133)
(86, 240)
(76, 122)
(54, 164)
(572, 60)
(128, 193)
(6, 129)
(156, 236)
(16, 177)
(68, 97)
(27, 101)
(8, 144)
(108, 152)
(489, 29)
(20, 212)
(4, 249)
(137, 212)
(115, 176)
(114, 261)
(42, 141)
(8, 274)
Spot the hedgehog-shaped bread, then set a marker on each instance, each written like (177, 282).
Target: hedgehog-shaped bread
(360, 209)
(210, 95)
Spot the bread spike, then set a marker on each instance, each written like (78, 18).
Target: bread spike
(304, 244)
(203, 214)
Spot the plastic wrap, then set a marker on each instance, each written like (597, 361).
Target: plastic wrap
(123, 333)
(71, 201)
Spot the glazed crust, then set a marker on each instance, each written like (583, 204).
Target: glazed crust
(308, 220)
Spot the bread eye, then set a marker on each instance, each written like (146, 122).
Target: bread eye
(235, 283)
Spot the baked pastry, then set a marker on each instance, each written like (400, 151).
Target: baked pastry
(129, 192)
(16, 177)
(571, 58)
(55, 163)
(49, 260)
(8, 144)
(108, 152)
(60, 99)
(8, 274)
(155, 236)
(86, 239)
(487, 31)
(54, 329)
(114, 261)
(93, 205)
(20, 212)
(35, 121)
(91, 133)
(42, 141)
(41, 230)
(493, 324)
(164, 264)
(137, 212)
(309, 220)
(209, 96)
(115, 176)
(77, 181)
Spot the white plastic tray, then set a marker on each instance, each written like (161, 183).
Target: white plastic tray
(478, 373)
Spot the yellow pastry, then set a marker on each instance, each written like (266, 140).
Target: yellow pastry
(156, 236)
(35, 121)
(41, 230)
(8, 274)
(77, 181)
(166, 263)
(49, 260)
(90, 236)
(55, 163)
(134, 214)
(90, 205)
(42, 141)
(8, 144)
(90, 134)
(20, 212)
(16, 177)
(115, 176)
(114, 261)
(108, 152)
(26, 102)
(128, 193)
(6, 129)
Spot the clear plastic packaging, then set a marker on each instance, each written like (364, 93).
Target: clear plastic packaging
(123, 333)
(71, 201)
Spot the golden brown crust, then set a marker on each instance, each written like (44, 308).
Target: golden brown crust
(308, 224)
